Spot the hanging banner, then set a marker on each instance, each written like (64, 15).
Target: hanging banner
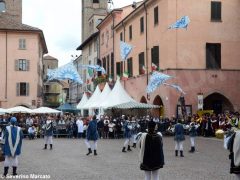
(200, 101)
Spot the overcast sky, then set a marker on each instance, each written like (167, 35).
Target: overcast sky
(61, 24)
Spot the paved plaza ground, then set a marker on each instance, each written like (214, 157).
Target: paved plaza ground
(68, 160)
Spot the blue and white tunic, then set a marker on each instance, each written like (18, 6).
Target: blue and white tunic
(48, 128)
(13, 141)
(92, 133)
(179, 132)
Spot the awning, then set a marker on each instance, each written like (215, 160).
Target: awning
(134, 105)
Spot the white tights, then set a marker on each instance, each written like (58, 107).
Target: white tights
(154, 174)
(92, 146)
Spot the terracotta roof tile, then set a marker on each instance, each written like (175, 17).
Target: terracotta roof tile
(8, 23)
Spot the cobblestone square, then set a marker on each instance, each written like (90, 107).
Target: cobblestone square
(68, 160)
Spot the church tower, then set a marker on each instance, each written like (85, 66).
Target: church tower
(89, 8)
(12, 8)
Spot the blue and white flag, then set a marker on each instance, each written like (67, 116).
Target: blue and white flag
(156, 80)
(51, 74)
(175, 86)
(125, 50)
(181, 23)
(66, 72)
(94, 67)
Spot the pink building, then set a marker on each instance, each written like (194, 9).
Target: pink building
(21, 53)
(107, 34)
(204, 58)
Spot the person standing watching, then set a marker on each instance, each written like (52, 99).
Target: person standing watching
(80, 127)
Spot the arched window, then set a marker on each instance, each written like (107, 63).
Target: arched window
(2, 6)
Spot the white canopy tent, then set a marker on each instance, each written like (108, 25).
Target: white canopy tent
(45, 110)
(19, 109)
(103, 96)
(83, 101)
(117, 96)
(92, 99)
(120, 99)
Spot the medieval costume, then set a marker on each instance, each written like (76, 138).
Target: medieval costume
(179, 138)
(12, 147)
(48, 133)
(128, 135)
(234, 147)
(92, 135)
(151, 152)
(192, 135)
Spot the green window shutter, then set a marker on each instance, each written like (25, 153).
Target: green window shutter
(130, 67)
(18, 89)
(27, 89)
(156, 15)
(16, 65)
(141, 62)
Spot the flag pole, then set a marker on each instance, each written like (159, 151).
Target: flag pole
(176, 35)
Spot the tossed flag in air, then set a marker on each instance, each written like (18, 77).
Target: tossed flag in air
(181, 23)
(175, 86)
(125, 50)
(51, 74)
(66, 72)
(156, 80)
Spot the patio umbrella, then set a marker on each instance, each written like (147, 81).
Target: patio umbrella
(19, 109)
(3, 111)
(45, 110)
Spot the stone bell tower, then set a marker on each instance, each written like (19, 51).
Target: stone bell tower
(12, 8)
(90, 7)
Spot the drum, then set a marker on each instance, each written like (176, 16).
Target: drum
(219, 134)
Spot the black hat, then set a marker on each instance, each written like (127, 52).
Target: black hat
(151, 125)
